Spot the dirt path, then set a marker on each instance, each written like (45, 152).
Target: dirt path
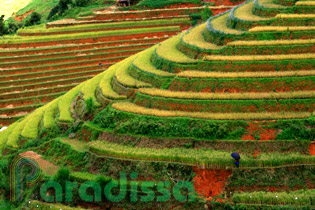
(47, 167)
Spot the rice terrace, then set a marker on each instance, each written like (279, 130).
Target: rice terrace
(157, 104)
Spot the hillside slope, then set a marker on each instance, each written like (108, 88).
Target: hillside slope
(8, 7)
(241, 82)
(42, 62)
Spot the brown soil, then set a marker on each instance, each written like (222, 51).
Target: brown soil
(210, 182)
(21, 17)
(256, 129)
(312, 148)
(47, 167)
(256, 153)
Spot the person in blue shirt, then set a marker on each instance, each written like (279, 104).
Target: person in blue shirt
(237, 163)
(237, 158)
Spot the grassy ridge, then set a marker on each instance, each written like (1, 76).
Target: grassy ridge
(244, 12)
(301, 197)
(130, 107)
(162, 3)
(299, 16)
(259, 57)
(226, 96)
(105, 83)
(281, 28)
(168, 51)
(124, 78)
(225, 105)
(271, 42)
(202, 74)
(51, 206)
(194, 37)
(142, 62)
(88, 90)
(64, 104)
(208, 157)
(305, 3)
(49, 115)
(5, 134)
(218, 24)
(13, 138)
(79, 28)
(19, 39)
(32, 126)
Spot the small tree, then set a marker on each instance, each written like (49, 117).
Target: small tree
(81, 3)
(35, 18)
(13, 26)
(206, 14)
(2, 28)
(63, 5)
(90, 105)
(59, 9)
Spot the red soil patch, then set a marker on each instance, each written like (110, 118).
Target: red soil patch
(21, 17)
(47, 167)
(210, 182)
(256, 153)
(255, 128)
(312, 148)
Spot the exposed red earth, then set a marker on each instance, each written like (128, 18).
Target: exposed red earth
(46, 166)
(210, 182)
(21, 17)
(312, 148)
(255, 130)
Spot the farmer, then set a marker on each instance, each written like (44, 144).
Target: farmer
(237, 158)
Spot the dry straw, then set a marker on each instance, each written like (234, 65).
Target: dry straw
(259, 57)
(281, 28)
(226, 96)
(305, 3)
(204, 74)
(130, 107)
(272, 42)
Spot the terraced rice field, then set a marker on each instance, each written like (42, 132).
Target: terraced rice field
(177, 110)
(44, 62)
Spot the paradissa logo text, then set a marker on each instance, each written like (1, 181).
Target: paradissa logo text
(92, 191)
(116, 191)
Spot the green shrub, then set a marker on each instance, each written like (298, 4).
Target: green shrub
(35, 18)
(298, 131)
(59, 9)
(202, 16)
(163, 3)
(124, 122)
(206, 14)
(90, 105)
(62, 176)
(81, 3)
(2, 28)
(195, 17)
